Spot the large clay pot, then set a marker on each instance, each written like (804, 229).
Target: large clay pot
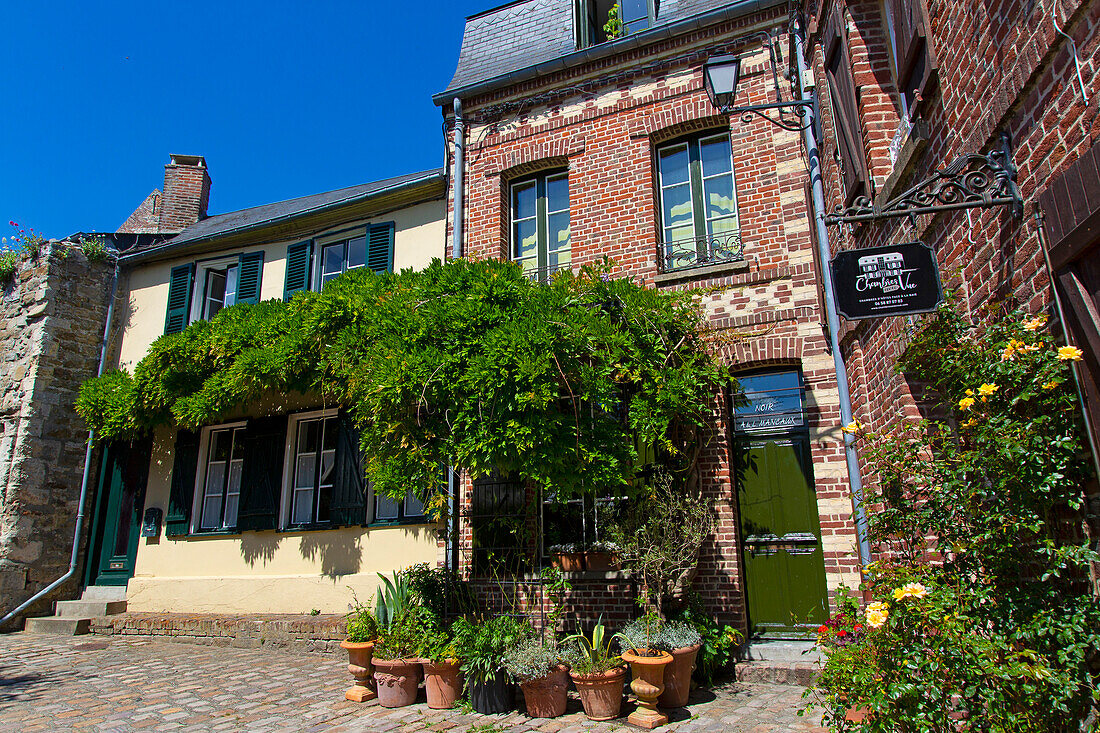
(547, 696)
(568, 562)
(649, 682)
(601, 692)
(442, 683)
(396, 680)
(678, 677)
(359, 664)
(497, 695)
(600, 562)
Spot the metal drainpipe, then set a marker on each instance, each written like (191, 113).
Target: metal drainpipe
(459, 179)
(814, 160)
(77, 531)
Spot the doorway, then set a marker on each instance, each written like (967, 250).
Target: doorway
(116, 525)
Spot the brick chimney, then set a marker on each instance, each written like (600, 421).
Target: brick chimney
(186, 193)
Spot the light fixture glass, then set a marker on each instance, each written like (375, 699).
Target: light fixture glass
(720, 77)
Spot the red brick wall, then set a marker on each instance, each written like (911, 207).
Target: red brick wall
(186, 195)
(604, 130)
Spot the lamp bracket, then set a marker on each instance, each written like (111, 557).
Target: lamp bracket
(970, 181)
(793, 115)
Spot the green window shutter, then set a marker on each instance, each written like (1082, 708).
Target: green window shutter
(262, 473)
(185, 461)
(179, 297)
(249, 272)
(380, 247)
(299, 265)
(348, 504)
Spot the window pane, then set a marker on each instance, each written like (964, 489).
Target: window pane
(677, 212)
(384, 507)
(329, 429)
(307, 436)
(770, 401)
(413, 506)
(305, 472)
(558, 260)
(328, 460)
(719, 196)
(559, 231)
(238, 443)
(526, 239)
(302, 511)
(230, 286)
(332, 261)
(215, 478)
(231, 502)
(674, 165)
(235, 470)
(557, 193)
(635, 14)
(211, 508)
(220, 444)
(357, 252)
(722, 227)
(715, 155)
(523, 200)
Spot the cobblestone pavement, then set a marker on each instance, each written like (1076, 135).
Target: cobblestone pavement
(50, 683)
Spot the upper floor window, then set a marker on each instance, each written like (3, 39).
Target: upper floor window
(595, 23)
(540, 224)
(339, 257)
(200, 290)
(907, 22)
(698, 194)
(312, 263)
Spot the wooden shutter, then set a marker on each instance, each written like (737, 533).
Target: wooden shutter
(262, 473)
(844, 100)
(348, 504)
(185, 461)
(179, 297)
(909, 21)
(249, 273)
(299, 265)
(380, 247)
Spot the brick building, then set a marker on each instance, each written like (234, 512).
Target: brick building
(912, 86)
(580, 147)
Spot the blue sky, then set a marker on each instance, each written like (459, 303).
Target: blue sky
(283, 98)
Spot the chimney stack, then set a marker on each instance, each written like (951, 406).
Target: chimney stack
(186, 193)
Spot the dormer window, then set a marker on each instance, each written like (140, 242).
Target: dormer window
(596, 23)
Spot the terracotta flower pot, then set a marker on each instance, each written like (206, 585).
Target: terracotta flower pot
(600, 562)
(601, 692)
(569, 562)
(648, 684)
(678, 677)
(359, 664)
(396, 680)
(496, 695)
(442, 683)
(547, 696)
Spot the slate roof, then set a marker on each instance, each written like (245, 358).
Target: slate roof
(528, 33)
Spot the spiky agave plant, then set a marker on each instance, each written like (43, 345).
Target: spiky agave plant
(594, 652)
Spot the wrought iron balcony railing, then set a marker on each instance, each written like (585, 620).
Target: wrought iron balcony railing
(681, 254)
(543, 274)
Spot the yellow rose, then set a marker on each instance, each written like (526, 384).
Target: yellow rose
(877, 613)
(853, 427)
(1034, 324)
(910, 590)
(1050, 385)
(987, 389)
(1008, 353)
(966, 403)
(969, 393)
(1069, 353)
(970, 423)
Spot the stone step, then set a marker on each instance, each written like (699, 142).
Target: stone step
(104, 593)
(57, 625)
(88, 609)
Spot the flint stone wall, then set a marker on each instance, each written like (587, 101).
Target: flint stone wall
(52, 314)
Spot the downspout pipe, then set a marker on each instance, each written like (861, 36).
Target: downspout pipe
(459, 180)
(813, 155)
(74, 557)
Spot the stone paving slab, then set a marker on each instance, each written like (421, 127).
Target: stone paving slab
(121, 684)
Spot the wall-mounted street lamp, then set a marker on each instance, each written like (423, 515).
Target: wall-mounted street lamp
(721, 75)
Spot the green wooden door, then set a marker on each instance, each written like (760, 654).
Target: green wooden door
(780, 536)
(117, 522)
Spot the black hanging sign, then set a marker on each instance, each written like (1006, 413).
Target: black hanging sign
(898, 280)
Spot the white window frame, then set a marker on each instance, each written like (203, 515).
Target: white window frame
(320, 243)
(198, 287)
(290, 454)
(199, 494)
(403, 517)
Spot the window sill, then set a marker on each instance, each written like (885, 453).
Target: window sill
(383, 523)
(701, 273)
(229, 532)
(910, 152)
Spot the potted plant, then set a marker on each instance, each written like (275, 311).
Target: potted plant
(567, 557)
(602, 557)
(402, 627)
(362, 630)
(597, 673)
(543, 674)
(647, 664)
(481, 648)
(442, 671)
(683, 642)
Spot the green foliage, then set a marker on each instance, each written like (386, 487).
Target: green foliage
(997, 631)
(464, 363)
(533, 659)
(438, 645)
(677, 635)
(94, 248)
(641, 634)
(408, 634)
(440, 590)
(361, 623)
(593, 654)
(9, 261)
(614, 27)
(660, 535)
(481, 646)
(393, 602)
(720, 642)
(556, 588)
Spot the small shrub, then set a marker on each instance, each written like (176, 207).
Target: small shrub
(9, 262)
(482, 646)
(720, 641)
(641, 634)
(676, 635)
(532, 659)
(360, 623)
(407, 635)
(94, 248)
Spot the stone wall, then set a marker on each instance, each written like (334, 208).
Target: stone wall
(52, 314)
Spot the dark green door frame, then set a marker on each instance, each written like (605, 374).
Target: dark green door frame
(116, 522)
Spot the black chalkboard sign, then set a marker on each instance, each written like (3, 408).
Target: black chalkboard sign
(898, 280)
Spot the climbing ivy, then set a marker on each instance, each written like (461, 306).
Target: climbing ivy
(468, 363)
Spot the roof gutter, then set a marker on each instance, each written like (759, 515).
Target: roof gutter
(173, 243)
(604, 50)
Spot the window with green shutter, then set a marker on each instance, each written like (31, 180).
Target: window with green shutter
(249, 275)
(299, 266)
(185, 459)
(179, 298)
